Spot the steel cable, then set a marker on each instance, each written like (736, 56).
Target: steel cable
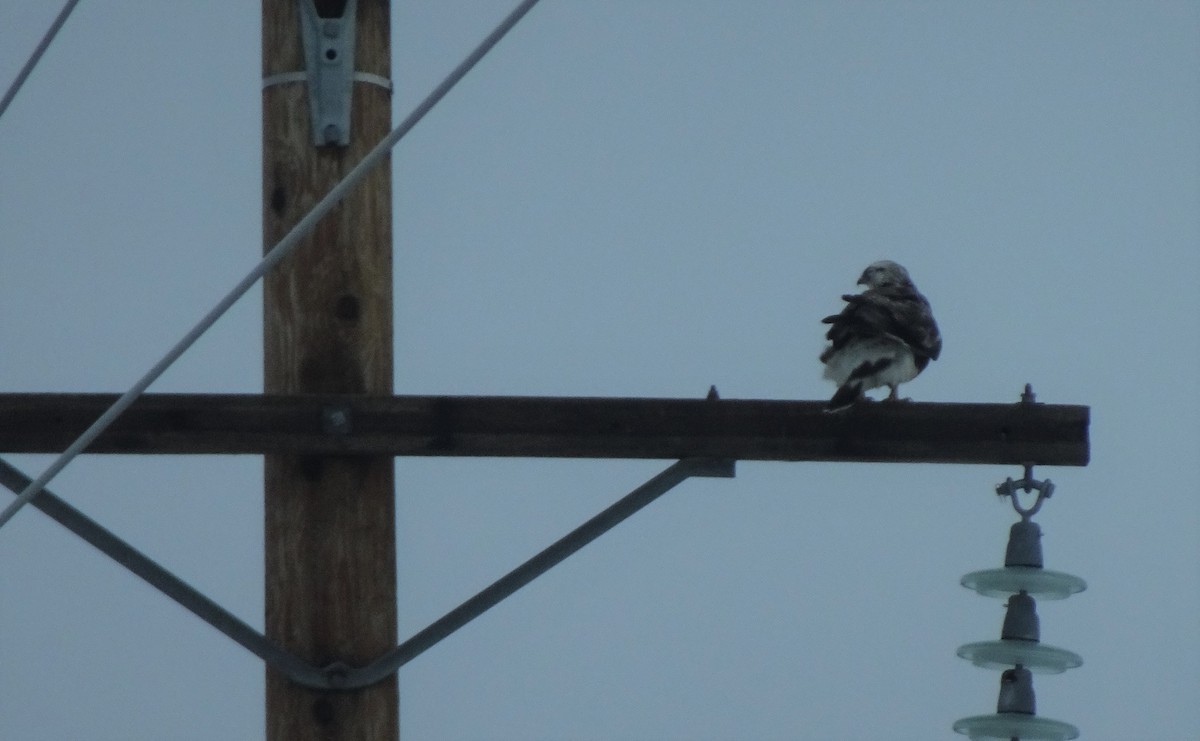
(273, 257)
(36, 55)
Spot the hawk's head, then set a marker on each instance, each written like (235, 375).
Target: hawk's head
(884, 273)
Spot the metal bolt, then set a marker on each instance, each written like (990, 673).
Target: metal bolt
(336, 420)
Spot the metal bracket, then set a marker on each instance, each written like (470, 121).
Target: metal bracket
(330, 74)
(329, 58)
(1009, 488)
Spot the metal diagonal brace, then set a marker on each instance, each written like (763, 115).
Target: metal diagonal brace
(340, 676)
(164, 581)
(506, 585)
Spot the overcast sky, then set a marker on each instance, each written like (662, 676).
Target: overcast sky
(638, 199)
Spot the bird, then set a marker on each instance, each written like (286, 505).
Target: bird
(884, 336)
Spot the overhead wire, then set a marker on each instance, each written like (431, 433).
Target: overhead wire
(36, 55)
(272, 258)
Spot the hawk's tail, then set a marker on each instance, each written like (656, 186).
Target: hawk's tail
(845, 397)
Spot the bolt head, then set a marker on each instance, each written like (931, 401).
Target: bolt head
(336, 421)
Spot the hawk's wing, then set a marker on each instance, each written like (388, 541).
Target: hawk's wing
(897, 311)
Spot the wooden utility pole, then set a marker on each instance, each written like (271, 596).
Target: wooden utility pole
(327, 328)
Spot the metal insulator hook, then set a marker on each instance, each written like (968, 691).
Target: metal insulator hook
(1026, 484)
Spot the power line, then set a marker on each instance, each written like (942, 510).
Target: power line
(273, 257)
(37, 54)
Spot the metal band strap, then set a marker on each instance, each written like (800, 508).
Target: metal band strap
(286, 78)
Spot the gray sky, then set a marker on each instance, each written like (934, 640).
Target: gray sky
(641, 199)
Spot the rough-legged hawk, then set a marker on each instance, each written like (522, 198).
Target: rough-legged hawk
(884, 336)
